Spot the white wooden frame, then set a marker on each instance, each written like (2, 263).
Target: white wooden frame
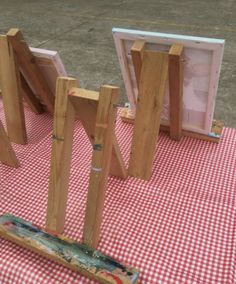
(215, 46)
(50, 64)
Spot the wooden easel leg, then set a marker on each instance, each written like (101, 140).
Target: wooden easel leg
(30, 98)
(7, 154)
(102, 149)
(11, 93)
(63, 129)
(176, 90)
(137, 56)
(148, 114)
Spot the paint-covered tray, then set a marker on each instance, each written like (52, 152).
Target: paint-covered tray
(76, 256)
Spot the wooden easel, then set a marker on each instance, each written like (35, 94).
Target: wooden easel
(95, 110)
(152, 69)
(100, 123)
(16, 64)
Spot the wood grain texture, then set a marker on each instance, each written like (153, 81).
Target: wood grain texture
(176, 90)
(7, 154)
(137, 56)
(63, 129)
(32, 101)
(11, 93)
(85, 103)
(101, 159)
(30, 69)
(148, 114)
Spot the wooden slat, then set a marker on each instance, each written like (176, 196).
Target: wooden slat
(102, 149)
(148, 114)
(86, 103)
(64, 117)
(30, 98)
(176, 90)
(11, 93)
(30, 69)
(7, 154)
(137, 55)
(83, 93)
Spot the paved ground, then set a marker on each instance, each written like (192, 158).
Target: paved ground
(81, 32)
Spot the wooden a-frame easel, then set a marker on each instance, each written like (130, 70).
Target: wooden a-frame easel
(152, 70)
(83, 257)
(17, 64)
(96, 111)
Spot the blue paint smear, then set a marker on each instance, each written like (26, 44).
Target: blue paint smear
(78, 254)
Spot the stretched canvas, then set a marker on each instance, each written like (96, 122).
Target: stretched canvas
(202, 63)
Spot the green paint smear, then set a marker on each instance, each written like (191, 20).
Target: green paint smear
(78, 254)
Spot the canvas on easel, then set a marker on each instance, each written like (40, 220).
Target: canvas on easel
(202, 63)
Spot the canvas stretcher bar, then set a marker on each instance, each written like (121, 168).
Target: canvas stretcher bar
(176, 69)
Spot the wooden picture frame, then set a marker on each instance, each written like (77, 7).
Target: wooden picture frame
(202, 63)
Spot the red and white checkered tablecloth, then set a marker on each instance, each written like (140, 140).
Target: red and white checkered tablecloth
(177, 228)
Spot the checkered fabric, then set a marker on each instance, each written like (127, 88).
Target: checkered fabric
(177, 228)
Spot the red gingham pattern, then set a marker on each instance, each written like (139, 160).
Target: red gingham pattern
(177, 228)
